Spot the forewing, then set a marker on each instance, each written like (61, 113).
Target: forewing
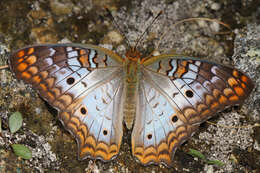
(176, 95)
(84, 83)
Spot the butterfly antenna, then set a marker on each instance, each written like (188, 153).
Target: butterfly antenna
(145, 31)
(117, 27)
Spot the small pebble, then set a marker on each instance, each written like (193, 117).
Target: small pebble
(215, 6)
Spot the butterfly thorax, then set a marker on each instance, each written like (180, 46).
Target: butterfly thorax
(131, 82)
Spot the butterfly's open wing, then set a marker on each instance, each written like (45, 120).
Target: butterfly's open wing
(176, 94)
(84, 83)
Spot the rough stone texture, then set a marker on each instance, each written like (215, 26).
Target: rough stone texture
(54, 150)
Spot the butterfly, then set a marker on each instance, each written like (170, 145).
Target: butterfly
(163, 98)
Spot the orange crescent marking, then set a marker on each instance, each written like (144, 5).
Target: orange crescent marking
(44, 88)
(65, 116)
(182, 135)
(65, 99)
(138, 150)
(180, 71)
(22, 66)
(244, 78)
(173, 144)
(195, 119)
(205, 113)
(72, 127)
(214, 105)
(91, 141)
(235, 73)
(201, 107)
(180, 129)
(228, 91)
(31, 60)
(84, 129)
(209, 99)
(30, 51)
(147, 154)
(50, 82)
(75, 121)
(33, 70)
(239, 91)
(85, 150)
(20, 54)
(222, 100)
(165, 157)
(58, 104)
(216, 93)
(114, 148)
(162, 146)
(51, 96)
(26, 75)
(184, 63)
(171, 135)
(20, 60)
(232, 81)
(149, 150)
(243, 85)
(102, 154)
(80, 136)
(44, 74)
(233, 98)
(36, 79)
(189, 113)
(56, 91)
(101, 145)
(84, 58)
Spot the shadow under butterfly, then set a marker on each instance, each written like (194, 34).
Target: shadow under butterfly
(163, 98)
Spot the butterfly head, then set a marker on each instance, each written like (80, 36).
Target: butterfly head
(133, 55)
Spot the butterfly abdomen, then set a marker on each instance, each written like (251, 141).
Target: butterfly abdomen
(131, 82)
(129, 109)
